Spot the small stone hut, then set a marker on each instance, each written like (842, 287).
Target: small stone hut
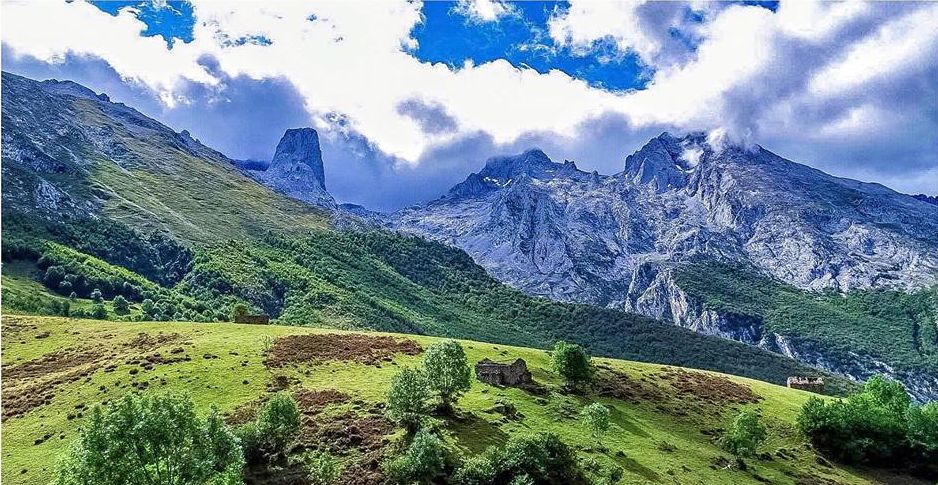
(252, 319)
(503, 374)
(813, 384)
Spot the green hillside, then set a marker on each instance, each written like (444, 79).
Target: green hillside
(373, 280)
(894, 327)
(665, 420)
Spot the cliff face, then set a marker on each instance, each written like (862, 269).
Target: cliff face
(296, 169)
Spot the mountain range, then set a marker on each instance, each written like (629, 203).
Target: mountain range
(729, 241)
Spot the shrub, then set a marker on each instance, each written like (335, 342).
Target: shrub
(447, 371)
(96, 295)
(322, 468)
(535, 458)
(572, 363)
(275, 427)
(407, 399)
(99, 312)
(745, 435)
(152, 439)
(421, 463)
(596, 418)
(149, 309)
(239, 310)
(877, 426)
(121, 306)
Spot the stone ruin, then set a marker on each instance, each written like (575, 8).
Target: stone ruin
(252, 319)
(812, 384)
(503, 374)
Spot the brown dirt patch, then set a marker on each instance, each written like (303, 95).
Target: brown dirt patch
(53, 362)
(708, 388)
(314, 349)
(312, 402)
(145, 342)
(345, 432)
(615, 384)
(21, 400)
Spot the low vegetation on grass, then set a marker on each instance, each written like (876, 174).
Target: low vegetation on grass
(664, 423)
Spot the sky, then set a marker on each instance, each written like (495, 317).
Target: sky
(409, 97)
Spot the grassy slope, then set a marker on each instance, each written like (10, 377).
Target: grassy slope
(639, 427)
(894, 327)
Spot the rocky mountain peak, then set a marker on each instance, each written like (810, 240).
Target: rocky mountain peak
(299, 150)
(297, 169)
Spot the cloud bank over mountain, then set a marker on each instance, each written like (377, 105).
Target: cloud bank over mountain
(848, 87)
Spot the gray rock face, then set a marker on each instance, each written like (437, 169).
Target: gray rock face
(550, 229)
(296, 168)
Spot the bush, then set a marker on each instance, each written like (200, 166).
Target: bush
(596, 418)
(744, 436)
(275, 427)
(96, 295)
(447, 371)
(407, 399)
(421, 463)
(322, 468)
(878, 426)
(239, 310)
(98, 312)
(536, 458)
(152, 439)
(121, 306)
(572, 363)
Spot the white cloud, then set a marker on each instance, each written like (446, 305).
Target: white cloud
(484, 10)
(809, 69)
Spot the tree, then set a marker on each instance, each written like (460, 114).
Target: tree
(239, 310)
(407, 399)
(149, 309)
(121, 306)
(421, 463)
(572, 363)
(98, 312)
(596, 418)
(322, 468)
(744, 436)
(447, 371)
(96, 296)
(65, 287)
(159, 439)
(277, 423)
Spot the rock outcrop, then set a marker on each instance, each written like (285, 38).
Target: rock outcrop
(296, 169)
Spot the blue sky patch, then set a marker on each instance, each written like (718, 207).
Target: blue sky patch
(172, 21)
(523, 40)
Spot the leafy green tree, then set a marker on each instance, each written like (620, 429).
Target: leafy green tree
(572, 363)
(596, 418)
(923, 427)
(745, 435)
(407, 399)
(98, 312)
(322, 468)
(276, 425)
(447, 371)
(121, 305)
(149, 440)
(421, 463)
(96, 295)
(888, 394)
(65, 287)
(149, 309)
(239, 310)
